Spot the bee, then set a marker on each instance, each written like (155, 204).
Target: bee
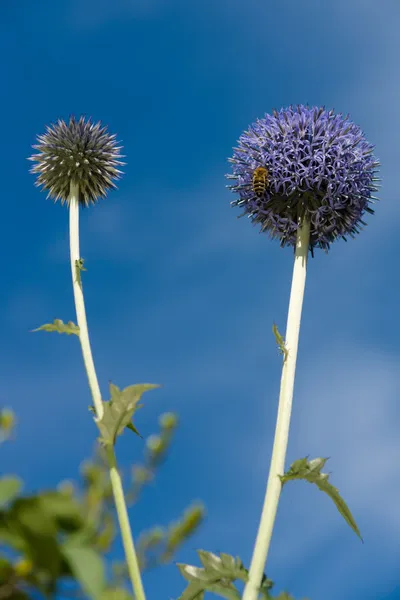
(260, 181)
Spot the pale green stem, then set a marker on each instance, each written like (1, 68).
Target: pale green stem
(123, 519)
(80, 302)
(277, 466)
(118, 492)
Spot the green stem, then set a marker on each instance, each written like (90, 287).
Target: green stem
(80, 302)
(127, 539)
(274, 485)
(116, 483)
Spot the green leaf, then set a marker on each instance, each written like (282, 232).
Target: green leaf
(115, 594)
(225, 565)
(78, 269)
(119, 410)
(311, 471)
(217, 576)
(133, 428)
(227, 591)
(10, 486)
(6, 569)
(29, 519)
(59, 326)
(65, 510)
(87, 566)
(197, 574)
(280, 342)
(194, 591)
(10, 534)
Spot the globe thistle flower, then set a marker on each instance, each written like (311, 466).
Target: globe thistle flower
(318, 167)
(81, 153)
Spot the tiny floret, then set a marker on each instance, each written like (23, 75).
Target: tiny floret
(78, 152)
(305, 163)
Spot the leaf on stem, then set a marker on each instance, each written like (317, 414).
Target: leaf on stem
(217, 576)
(119, 410)
(60, 327)
(310, 470)
(194, 591)
(280, 342)
(78, 269)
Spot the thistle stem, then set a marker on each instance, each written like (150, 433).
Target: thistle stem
(80, 302)
(277, 466)
(116, 483)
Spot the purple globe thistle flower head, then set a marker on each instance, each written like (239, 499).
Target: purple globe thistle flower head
(80, 152)
(305, 163)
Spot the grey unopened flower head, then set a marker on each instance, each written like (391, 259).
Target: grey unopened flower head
(80, 152)
(305, 163)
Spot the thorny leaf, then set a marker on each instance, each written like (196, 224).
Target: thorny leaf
(217, 576)
(194, 591)
(310, 470)
(60, 327)
(119, 410)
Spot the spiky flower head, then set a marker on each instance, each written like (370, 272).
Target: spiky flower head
(78, 152)
(319, 167)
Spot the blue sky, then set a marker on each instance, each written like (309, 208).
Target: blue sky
(181, 292)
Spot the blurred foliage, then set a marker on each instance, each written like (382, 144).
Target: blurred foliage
(58, 542)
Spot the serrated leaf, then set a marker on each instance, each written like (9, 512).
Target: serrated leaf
(217, 576)
(60, 327)
(197, 574)
(230, 563)
(133, 428)
(10, 486)
(310, 470)
(119, 410)
(194, 591)
(224, 591)
(87, 567)
(225, 565)
(210, 561)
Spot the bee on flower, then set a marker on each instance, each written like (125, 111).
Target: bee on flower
(260, 181)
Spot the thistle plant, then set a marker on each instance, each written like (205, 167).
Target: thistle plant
(306, 176)
(320, 180)
(77, 164)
